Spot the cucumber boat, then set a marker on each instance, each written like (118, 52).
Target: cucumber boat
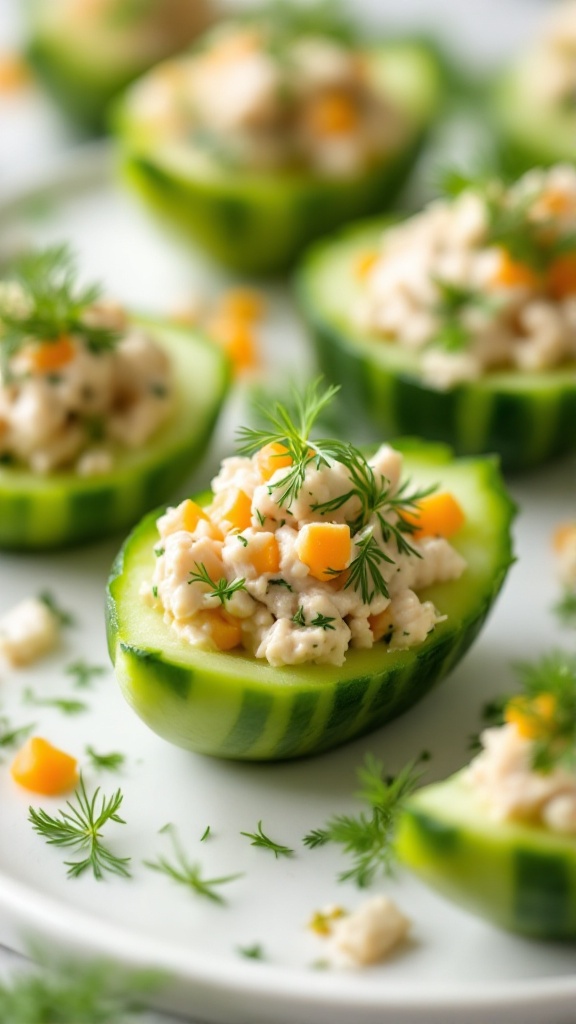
(250, 217)
(519, 876)
(531, 104)
(39, 512)
(86, 55)
(499, 837)
(100, 412)
(526, 415)
(233, 705)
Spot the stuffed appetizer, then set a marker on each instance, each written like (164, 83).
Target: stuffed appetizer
(312, 595)
(99, 411)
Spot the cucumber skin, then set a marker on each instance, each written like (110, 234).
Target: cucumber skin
(85, 98)
(260, 225)
(521, 878)
(263, 234)
(277, 714)
(62, 510)
(524, 425)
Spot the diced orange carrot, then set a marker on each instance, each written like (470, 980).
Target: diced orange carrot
(563, 535)
(554, 202)
(43, 768)
(265, 556)
(236, 336)
(365, 262)
(514, 274)
(14, 73)
(333, 113)
(532, 717)
(191, 514)
(271, 457)
(49, 356)
(324, 547)
(232, 509)
(561, 277)
(437, 515)
(380, 624)
(243, 304)
(223, 629)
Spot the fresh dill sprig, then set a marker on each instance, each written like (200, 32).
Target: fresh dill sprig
(368, 837)
(292, 430)
(62, 992)
(220, 588)
(50, 303)
(67, 705)
(373, 493)
(299, 619)
(254, 952)
(83, 673)
(492, 716)
(189, 875)
(553, 675)
(363, 573)
(454, 300)
(64, 617)
(9, 736)
(108, 762)
(259, 838)
(565, 608)
(323, 621)
(80, 827)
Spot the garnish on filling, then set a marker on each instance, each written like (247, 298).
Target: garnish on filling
(287, 91)
(78, 383)
(480, 282)
(307, 549)
(527, 768)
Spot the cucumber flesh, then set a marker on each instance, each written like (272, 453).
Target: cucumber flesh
(60, 509)
(530, 131)
(527, 418)
(234, 706)
(258, 223)
(520, 877)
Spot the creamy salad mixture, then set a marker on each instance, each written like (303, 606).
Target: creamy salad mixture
(73, 398)
(552, 62)
(506, 780)
(482, 282)
(301, 576)
(259, 98)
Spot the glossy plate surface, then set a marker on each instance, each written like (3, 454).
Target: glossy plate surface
(455, 969)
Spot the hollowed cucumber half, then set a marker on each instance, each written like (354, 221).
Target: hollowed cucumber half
(521, 877)
(529, 129)
(259, 223)
(527, 418)
(60, 509)
(234, 706)
(85, 62)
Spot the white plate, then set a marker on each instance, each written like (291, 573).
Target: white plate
(456, 968)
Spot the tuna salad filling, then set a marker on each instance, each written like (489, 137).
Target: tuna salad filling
(307, 549)
(481, 282)
(526, 770)
(78, 382)
(266, 94)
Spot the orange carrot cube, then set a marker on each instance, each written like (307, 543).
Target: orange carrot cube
(43, 768)
(325, 548)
